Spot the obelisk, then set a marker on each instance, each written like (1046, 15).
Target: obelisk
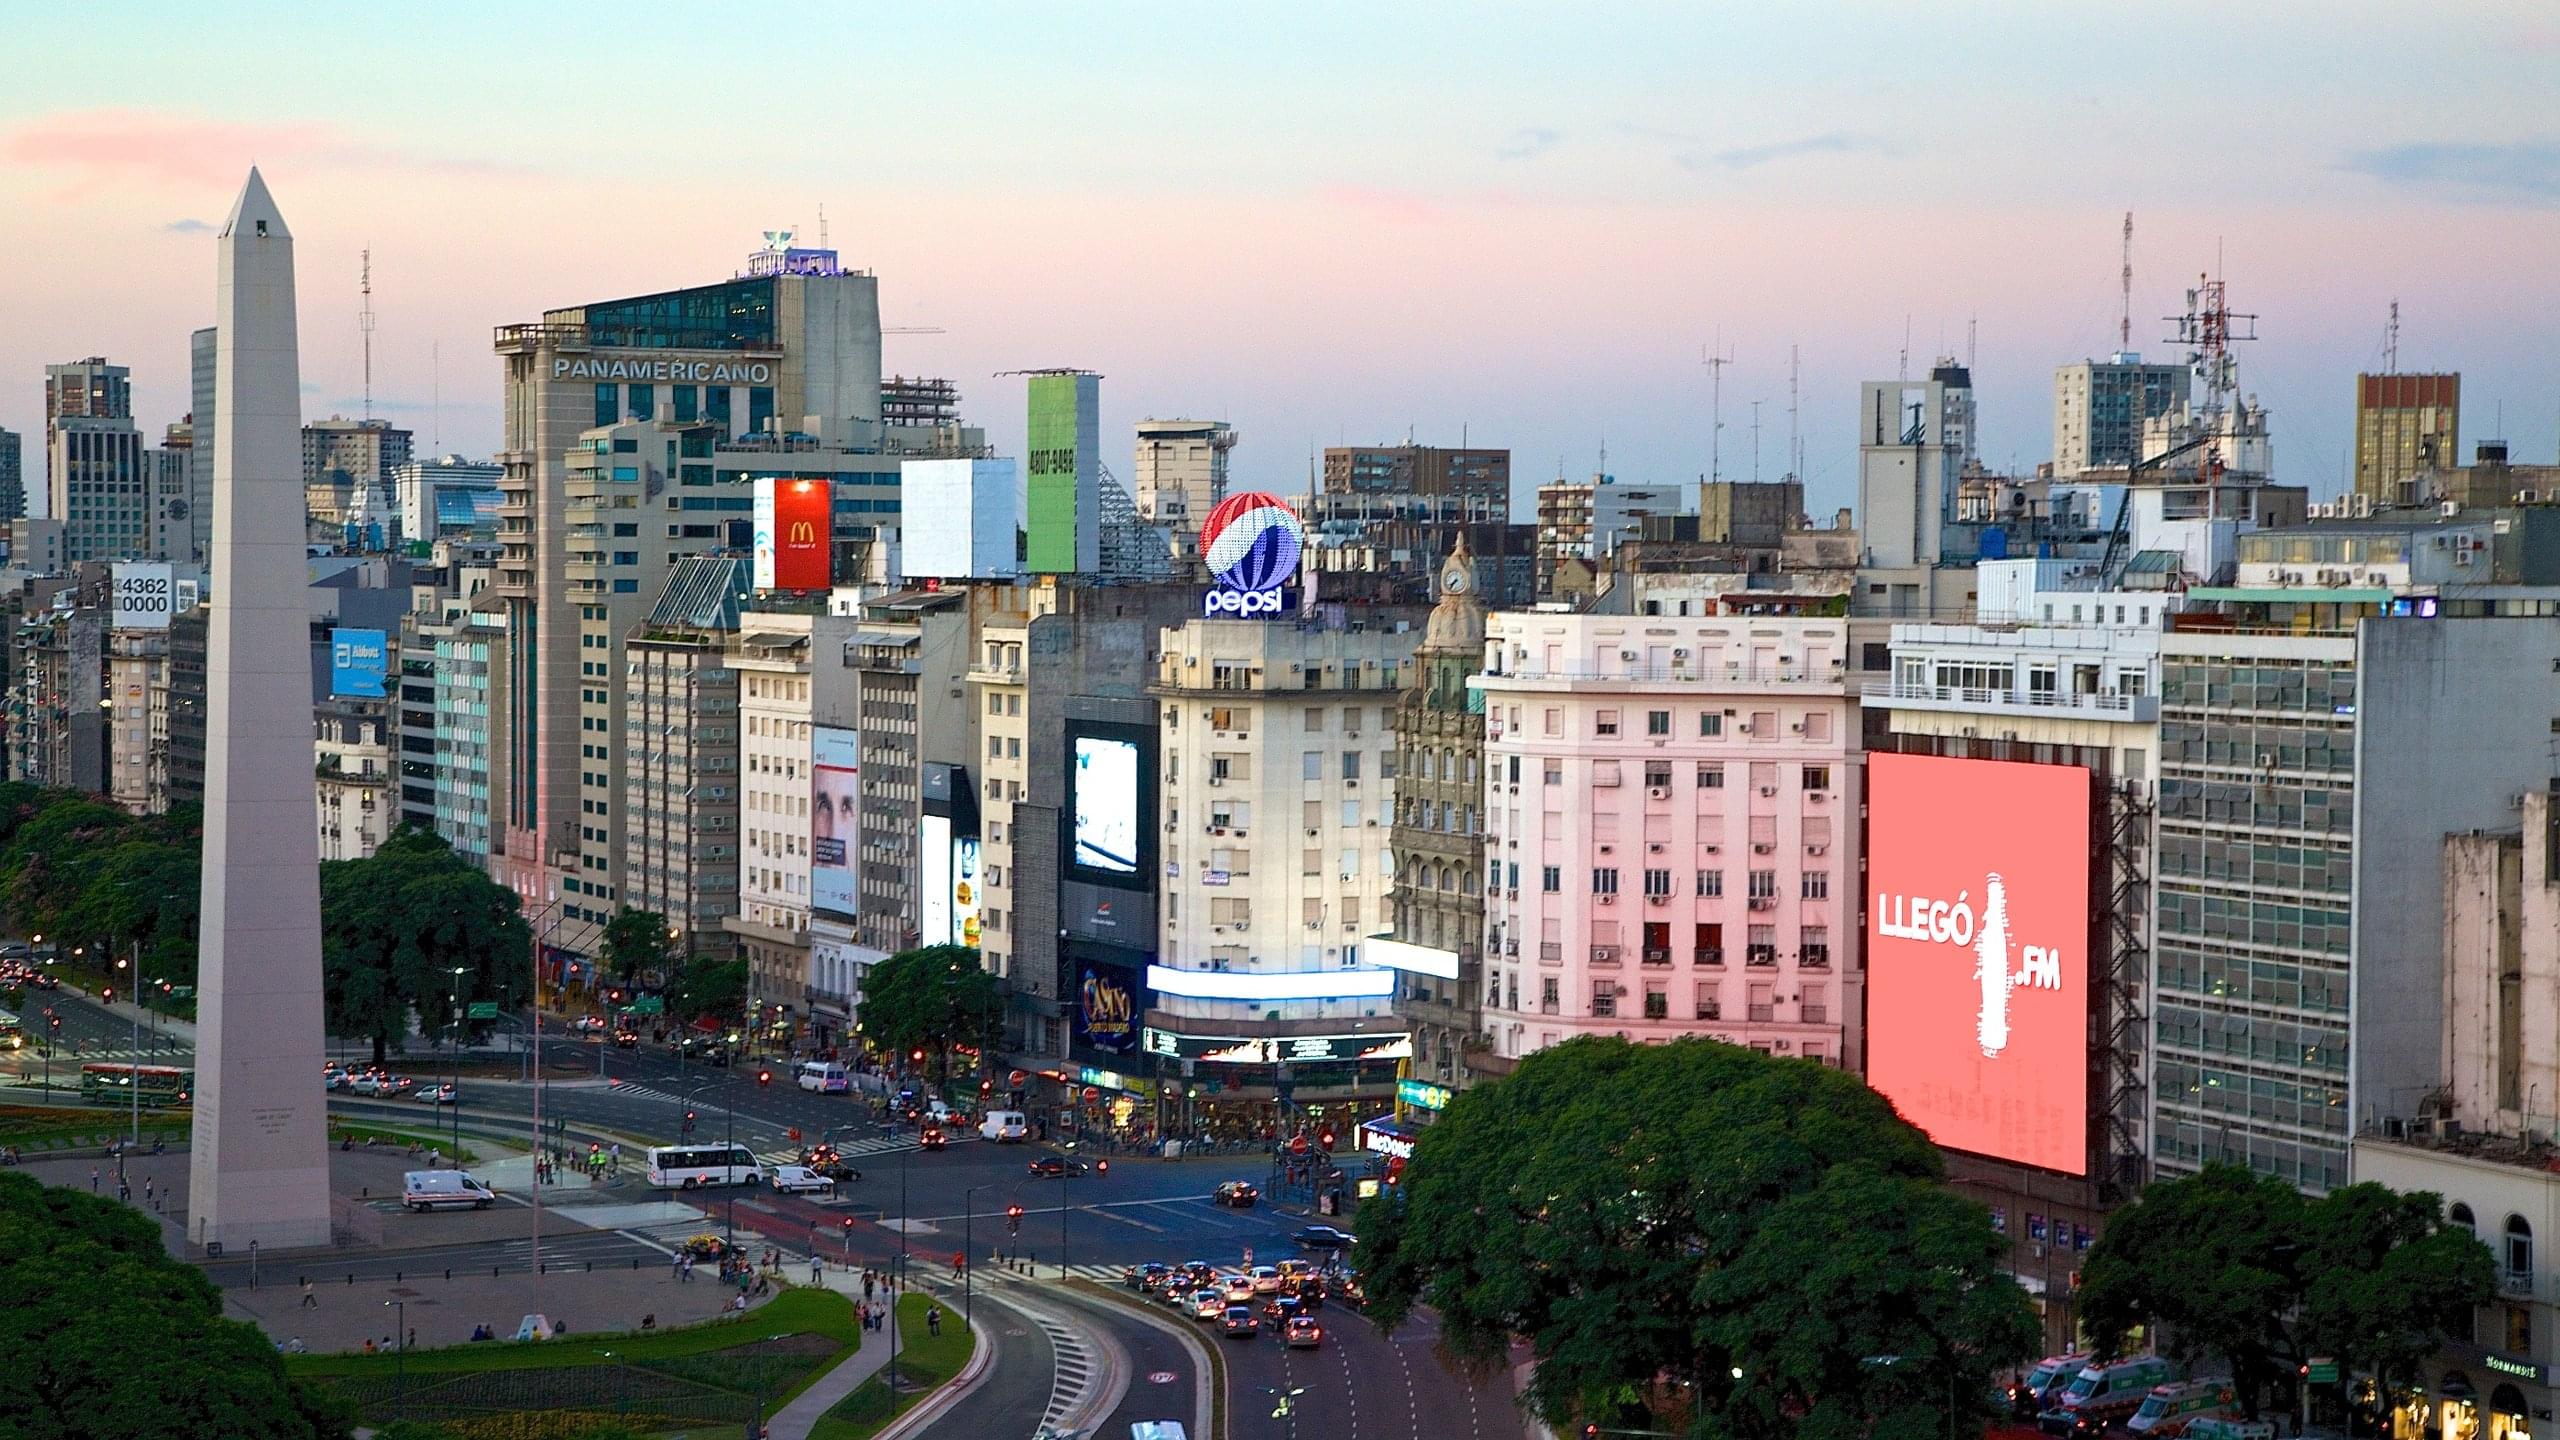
(261, 1154)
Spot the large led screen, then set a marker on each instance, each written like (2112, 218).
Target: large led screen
(1978, 953)
(1105, 797)
(835, 817)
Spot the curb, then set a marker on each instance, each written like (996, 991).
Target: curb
(1209, 1404)
(982, 1354)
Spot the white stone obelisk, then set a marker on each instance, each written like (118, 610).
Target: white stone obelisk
(261, 1155)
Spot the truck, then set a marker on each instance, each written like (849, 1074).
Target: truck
(2104, 1395)
(425, 1190)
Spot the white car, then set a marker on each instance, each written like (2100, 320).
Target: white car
(800, 1179)
(370, 1084)
(1266, 1280)
(589, 1024)
(436, 1095)
(1239, 1289)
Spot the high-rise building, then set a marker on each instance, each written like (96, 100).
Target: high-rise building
(201, 346)
(1062, 476)
(1387, 515)
(910, 707)
(1181, 475)
(446, 498)
(348, 471)
(2100, 407)
(1435, 940)
(678, 771)
(2405, 425)
(794, 675)
(97, 473)
(1915, 438)
(1672, 802)
(13, 477)
(1589, 519)
(779, 370)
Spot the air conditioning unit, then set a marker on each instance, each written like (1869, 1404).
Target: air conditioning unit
(1768, 790)
(1217, 829)
(1653, 848)
(1797, 727)
(1817, 849)
(1658, 792)
(1608, 899)
(1683, 654)
(1215, 781)
(1763, 849)
(1658, 899)
(1608, 849)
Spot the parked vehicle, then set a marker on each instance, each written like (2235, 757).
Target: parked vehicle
(437, 1095)
(2104, 1395)
(2029, 1397)
(2170, 1409)
(425, 1190)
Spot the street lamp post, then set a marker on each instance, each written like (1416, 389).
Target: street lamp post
(460, 988)
(400, 1365)
(1064, 1171)
(133, 1066)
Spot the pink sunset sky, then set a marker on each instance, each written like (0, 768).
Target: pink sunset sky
(1331, 223)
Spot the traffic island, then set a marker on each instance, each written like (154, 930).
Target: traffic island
(925, 1363)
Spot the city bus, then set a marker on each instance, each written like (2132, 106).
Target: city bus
(114, 1082)
(683, 1167)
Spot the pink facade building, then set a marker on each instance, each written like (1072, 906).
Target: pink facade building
(1671, 831)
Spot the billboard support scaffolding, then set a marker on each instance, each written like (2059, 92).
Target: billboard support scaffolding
(2125, 878)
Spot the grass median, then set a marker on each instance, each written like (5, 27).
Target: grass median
(926, 1362)
(51, 1127)
(793, 1312)
(398, 1137)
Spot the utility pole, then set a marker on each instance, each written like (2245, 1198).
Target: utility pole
(2124, 326)
(1795, 432)
(2391, 342)
(1755, 442)
(364, 322)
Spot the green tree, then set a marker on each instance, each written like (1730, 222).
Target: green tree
(2243, 1268)
(934, 999)
(636, 941)
(396, 924)
(138, 1346)
(1654, 1218)
(48, 857)
(707, 986)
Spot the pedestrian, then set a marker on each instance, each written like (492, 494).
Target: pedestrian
(93, 1179)
(933, 1319)
(817, 1271)
(614, 1157)
(675, 1266)
(148, 1187)
(684, 1267)
(866, 1287)
(124, 1193)
(310, 1297)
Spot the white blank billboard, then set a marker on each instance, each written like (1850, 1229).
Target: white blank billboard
(957, 519)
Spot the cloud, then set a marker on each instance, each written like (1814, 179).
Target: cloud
(2528, 170)
(100, 148)
(1528, 143)
(188, 227)
(1751, 157)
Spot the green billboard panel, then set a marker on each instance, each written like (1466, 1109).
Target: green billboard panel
(1062, 489)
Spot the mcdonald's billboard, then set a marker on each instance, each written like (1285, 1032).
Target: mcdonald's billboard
(794, 529)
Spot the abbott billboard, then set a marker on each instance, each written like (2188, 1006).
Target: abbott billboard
(1978, 953)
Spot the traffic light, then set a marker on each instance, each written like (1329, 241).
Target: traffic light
(917, 1056)
(985, 1086)
(688, 1123)
(1012, 1219)
(1325, 1138)
(1101, 1167)
(108, 995)
(764, 1077)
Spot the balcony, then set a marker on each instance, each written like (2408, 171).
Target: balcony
(1524, 673)
(1711, 959)
(2515, 1283)
(1896, 695)
(1604, 954)
(1763, 1014)
(1657, 957)
(1762, 957)
(1814, 1014)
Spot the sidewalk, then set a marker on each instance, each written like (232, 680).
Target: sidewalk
(795, 1420)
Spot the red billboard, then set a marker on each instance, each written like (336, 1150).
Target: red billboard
(794, 533)
(1978, 953)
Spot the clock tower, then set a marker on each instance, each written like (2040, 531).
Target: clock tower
(1438, 902)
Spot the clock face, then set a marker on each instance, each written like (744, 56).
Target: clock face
(1454, 581)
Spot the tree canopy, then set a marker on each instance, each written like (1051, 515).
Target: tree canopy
(932, 999)
(2245, 1268)
(89, 877)
(707, 986)
(396, 924)
(1654, 1218)
(110, 1336)
(636, 940)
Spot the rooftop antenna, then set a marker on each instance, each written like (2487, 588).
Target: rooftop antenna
(1755, 442)
(1603, 472)
(2391, 342)
(822, 227)
(435, 392)
(1972, 337)
(1715, 361)
(364, 322)
(1902, 366)
(2124, 280)
(1795, 435)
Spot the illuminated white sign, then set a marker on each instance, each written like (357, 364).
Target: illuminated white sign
(145, 596)
(1301, 985)
(1394, 1147)
(674, 372)
(1420, 959)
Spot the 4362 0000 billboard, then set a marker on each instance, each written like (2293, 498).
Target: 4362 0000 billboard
(1978, 931)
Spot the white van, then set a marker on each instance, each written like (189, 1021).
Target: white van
(424, 1190)
(1005, 1125)
(826, 1077)
(1156, 1430)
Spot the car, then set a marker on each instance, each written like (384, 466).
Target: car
(1309, 1290)
(371, 1082)
(1207, 1304)
(1175, 1293)
(828, 1161)
(1302, 1332)
(1265, 1278)
(437, 1095)
(801, 1180)
(626, 1039)
(1345, 1287)
(589, 1024)
(1238, 1288)
(1240, 1321)
(1143, 1278)
(1236, 1194)
(1055, 1167)
(931, 1138)
(1325, 1237)
(1280, 1310)
(43, 981)
(940, 1112)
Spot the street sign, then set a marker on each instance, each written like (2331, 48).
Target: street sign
(2323, 1370)
(483, 1010)
(646, 1005)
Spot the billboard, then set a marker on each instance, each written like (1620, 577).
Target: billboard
(1104, 804)
(359, 663)
(145, 596)
(964, 891)
(794, 533)
(1978, 953)
(957, 519)
(835, 817)
(1106, 1006)
(1062, 484)
(933, 880)
(1252, 543)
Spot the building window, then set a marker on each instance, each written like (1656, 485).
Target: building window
(1604, 882)
(2519, 1250)
(1657, 1000)
(2460, 1215)
(1605, 724)
(1710, 945)
(1657, 884)
(1710, 1002)
(1763, 943)
(1657, 774)
(1764, 885)
(1554, 772)
(1710, 725)
(1817, 777)
(1710, 884)
(1551, 879)
(1814, 947)
(1604, 999)
(1350, 764)
(1657, 722)
(1547, 993)
(2519, 1329)
(1710, 774)
(1816, 885)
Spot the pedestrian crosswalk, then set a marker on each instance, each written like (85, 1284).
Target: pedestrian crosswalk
(869, 1145)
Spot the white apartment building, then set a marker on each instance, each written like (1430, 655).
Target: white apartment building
(790, 668)
(1001, 687)
(1671, 833)
(354, 769)
(1278, 799)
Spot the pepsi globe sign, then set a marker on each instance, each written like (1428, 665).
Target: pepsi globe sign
(1252, 543)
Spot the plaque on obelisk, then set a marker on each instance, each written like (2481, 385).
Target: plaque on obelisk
(260, 1170)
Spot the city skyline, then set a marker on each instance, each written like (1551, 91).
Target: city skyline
(1530, 241)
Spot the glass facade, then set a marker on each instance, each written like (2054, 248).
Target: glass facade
(2252, 879)
(737, 315)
